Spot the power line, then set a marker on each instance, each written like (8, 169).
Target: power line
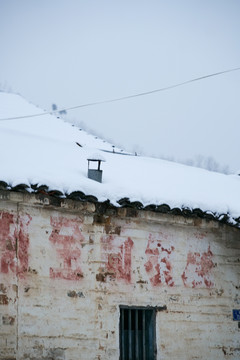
(124, 97)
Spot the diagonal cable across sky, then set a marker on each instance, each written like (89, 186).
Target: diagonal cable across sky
(125, 97)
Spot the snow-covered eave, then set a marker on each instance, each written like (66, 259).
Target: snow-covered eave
(164, 208)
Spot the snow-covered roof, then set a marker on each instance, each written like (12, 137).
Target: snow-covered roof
(42, 151)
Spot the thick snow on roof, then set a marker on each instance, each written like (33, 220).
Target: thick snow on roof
(43, 150)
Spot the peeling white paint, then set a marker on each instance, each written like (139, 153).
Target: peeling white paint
(71, 316)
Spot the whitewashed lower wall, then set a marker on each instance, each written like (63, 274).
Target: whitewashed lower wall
(66, 269)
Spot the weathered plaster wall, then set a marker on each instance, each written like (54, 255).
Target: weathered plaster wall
(65, 269)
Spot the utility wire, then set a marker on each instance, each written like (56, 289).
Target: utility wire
(124, 97)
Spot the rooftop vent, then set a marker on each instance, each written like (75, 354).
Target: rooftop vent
(94, 172)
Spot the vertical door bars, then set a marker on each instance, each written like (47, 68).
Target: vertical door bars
(122, 333)
(144, 335)
(130, 333)
(136, 335)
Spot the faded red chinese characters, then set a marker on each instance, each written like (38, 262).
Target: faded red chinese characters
(66, 238)
(197, 272)
(8, 243)
(14, 239)
(158, 266)
(23, 244)
(117, 253)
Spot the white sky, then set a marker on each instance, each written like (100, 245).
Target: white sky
(72, 52)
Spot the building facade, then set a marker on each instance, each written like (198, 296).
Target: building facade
(84, 280)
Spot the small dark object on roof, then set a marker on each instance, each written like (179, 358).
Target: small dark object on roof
(91, 198)
(20, 188)
(102, 207)
(223, 218)
(42, 188)
(237, 220)
(186, 212)
(76, 195)
(137, 205)
(3, 185)
(34, 187)
(163, 208)
(198, 212)
(124, 201)
(176, 211)
(209, 215)
(56, 193)
(150, 207)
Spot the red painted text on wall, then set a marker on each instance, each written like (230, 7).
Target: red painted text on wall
(14, 239)
(8, 242)
(66, 238)
(158, 266)
(198, 271)
(117, 253)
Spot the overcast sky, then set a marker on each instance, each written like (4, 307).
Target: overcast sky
(71, 52)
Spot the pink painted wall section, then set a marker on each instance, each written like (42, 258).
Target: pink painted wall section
(117, 254)
(65, 271)
(8, 235)
(14, 239)
(159, 262)
(198, 271)
(23, 244)
(66, 239)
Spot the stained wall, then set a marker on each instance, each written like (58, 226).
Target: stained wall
(67, 266)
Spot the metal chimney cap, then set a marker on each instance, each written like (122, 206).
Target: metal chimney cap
(95, 174)
(96, 157)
